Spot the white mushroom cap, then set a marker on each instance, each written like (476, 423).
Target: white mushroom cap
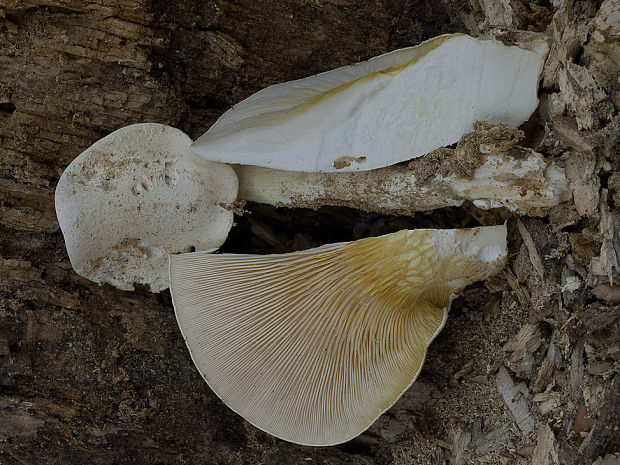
(136, 196)
(379, 112)
(313, 346)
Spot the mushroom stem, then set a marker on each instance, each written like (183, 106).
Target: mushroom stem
(518, 179)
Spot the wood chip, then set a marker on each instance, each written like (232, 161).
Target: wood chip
(522, 347)
(544, 375)
(531, 248)
(515, 396)
(582, 95)
(494, 440)
(465, 370)
(605, 426)
(607, 293)
(495, 284)
(582, 424)
(19, 270)
(546, 450)
(577, 371)
(599, 367)
(585, 245)
(522, 294)
(610, 229)
(566, 129)
(609, 459)
(525, 451)
(528, 339)
(460, 441)
(583, 182)
(548, 402)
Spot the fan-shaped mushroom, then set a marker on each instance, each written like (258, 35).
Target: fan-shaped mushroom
(313, 346)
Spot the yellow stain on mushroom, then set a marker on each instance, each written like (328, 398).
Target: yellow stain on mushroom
(400, 97)
(391, 71)
(313, 346)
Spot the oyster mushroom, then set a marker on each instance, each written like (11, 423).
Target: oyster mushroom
(487, 168)
(139, 194)
(119, 214)
(313, 346)
(136, 196)
(391, 108)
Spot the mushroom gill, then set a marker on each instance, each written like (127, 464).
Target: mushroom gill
(313, 346)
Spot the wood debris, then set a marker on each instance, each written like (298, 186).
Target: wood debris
(610, 230)
(546, 450)
(461, 439)
(608, 293)
(609, 459)
(531, 247)
(464, 371)
(548, 402)
(515, 397)
(545, 372)
(521, 292)
(605, 430)
(75, 356)
(582, 181)
(576, 370)
(522, 348)
(582, 424)
(581, 94)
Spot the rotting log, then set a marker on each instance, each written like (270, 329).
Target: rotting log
(91, 374)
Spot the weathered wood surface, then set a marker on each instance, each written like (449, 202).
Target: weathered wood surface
(90, 374)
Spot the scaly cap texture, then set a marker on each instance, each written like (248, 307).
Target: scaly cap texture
(137, 195)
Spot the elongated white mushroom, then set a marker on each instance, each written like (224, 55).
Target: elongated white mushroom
(136, 196)
(376, 113)
(486, 168)
(139, 194)
(313, 346)
(501, 181)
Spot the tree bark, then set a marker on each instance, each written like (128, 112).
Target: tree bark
(92, 374)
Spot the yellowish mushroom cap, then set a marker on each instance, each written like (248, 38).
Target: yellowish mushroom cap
(314, 346)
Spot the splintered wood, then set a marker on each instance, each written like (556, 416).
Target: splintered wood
(546, 450)
(515, 396)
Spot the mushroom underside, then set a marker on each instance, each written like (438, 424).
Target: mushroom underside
(313, 346)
